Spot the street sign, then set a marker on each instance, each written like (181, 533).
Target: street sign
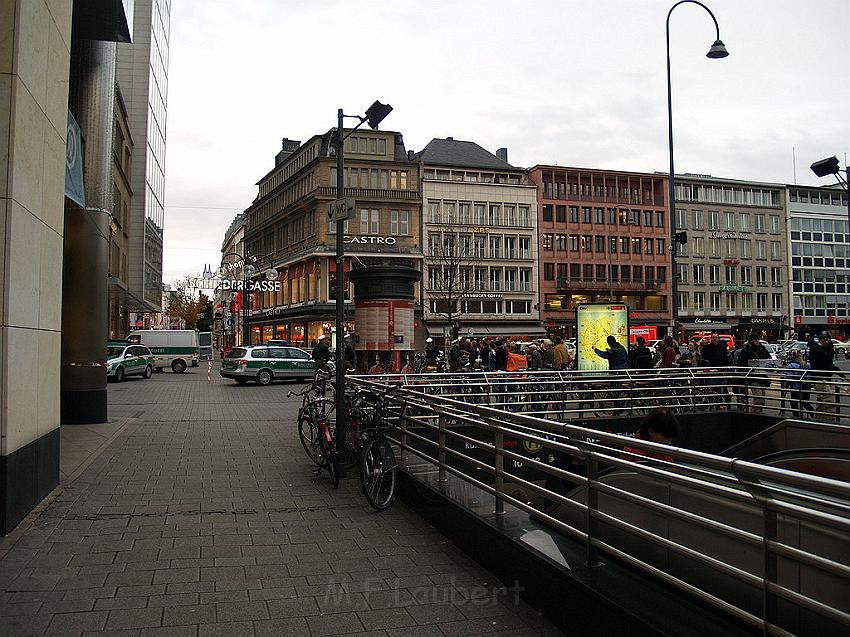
(230, 322)
(470, 332)
(341, 209)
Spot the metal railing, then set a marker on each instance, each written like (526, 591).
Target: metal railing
(768, 516)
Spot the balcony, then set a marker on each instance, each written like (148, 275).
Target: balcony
(366, 194)
(564, 285)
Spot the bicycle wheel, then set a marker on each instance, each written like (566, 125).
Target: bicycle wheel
(331, 462)
(378, 473)
(308, 434)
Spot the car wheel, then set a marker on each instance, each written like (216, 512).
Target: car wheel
(148, 371)
(178, 367)
(241, 381)
(119, 374)
(264, 377)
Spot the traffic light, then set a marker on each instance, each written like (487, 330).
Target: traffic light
(680, 237)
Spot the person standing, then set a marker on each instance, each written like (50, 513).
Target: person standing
(716, 354)
(454, 356)
(640, 357)
(499, 359)
(321, 353)
(535, 358)
(348, 355)
(821, 358)
(431, 351)
(754, 351)
(616, 354)
(561, 355)
(669, 353)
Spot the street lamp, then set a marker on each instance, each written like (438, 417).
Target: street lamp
(829, 166)
(374, 116)
(717, 51)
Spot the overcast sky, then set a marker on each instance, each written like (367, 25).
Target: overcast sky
(564, 82)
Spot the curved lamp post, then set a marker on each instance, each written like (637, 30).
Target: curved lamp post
(717, 51)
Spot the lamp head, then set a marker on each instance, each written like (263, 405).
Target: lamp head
(717, 50)
(825, 167)
(376, 113)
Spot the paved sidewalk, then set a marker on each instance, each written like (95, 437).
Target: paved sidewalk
(202, 517)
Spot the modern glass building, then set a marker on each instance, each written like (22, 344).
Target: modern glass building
(820, 259)
(143, 78)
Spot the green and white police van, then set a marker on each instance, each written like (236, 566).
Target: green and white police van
(124, 359)
(177, 349)
(266, 363)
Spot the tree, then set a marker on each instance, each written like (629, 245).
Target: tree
(449, 276)
(182, 304)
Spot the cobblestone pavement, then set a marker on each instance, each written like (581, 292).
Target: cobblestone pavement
(203, 518)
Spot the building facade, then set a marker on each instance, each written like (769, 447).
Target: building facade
(732, 272)
(603, 236)
(228, 302)
(142, 74)
(479, 228)
(287, 227)
(820, 260)
(120, 297)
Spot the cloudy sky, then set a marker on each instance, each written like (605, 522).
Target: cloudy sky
(564, 82)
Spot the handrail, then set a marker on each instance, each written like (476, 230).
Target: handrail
(437, 409)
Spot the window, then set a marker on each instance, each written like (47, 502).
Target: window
(699, 274)
(761, 249)
(729, 220)
(573, 242)
(681, 219)
(573, 214)
(731, 274)
(775, 250)
(615, 272)
(495, 217)
(746, 275)
(715, 301)
(636, 245)
(761, 276)
(715, 247)
(548, 271)
(744, 221)
(495, 247)
(624, 245)
(600, 243)
(586, 243)
(647, 218)
(731, 301)
(760, 227)
(612, 245)
(525, 280)
(776, 276)
(776, 302)
(682, 270)
(523, 216)
(650, 274)
(547, 241)
(560, 214)
(761, 302)
(648, 246)
(585, 215)
(731, 249)
(659, 219)
(714, 274)
(747, 301)
(745, 249)
(659, 246)
(399, 222)
(495, 280)
(510, 280)
(612, 216)
(547, 212)
(599, 216)
(698, 220)
(774, 223)
(465, 213)
(713, 220)
(699, 301)
(698, 246)
(683, 300)
(479, 214)
(626, 272)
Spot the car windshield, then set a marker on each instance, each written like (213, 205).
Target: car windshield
(113, 350)
(237, 352)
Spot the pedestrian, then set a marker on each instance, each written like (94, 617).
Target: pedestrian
(640, 357)
(561, 355)
(749, 356)
(321, 353)
(535, 358)
(716, 354)
(821, 358)
(616, 354)
(378, 367)
(348, 354)
(454, 356)
(669, 353)
(500, 357)
(659, 426)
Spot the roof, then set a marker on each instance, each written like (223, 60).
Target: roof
(455, 152)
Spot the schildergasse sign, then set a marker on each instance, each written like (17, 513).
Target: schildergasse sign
(224, 279)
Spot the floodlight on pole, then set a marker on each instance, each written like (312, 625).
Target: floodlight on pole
(716, 51)
(830, 166)
(374, 116)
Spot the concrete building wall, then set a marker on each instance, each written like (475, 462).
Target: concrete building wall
(35, 37)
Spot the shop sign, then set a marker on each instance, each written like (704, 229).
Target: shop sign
(716, 234)
(730, 262)
(483, 295)
(708, 321)
(733, 288)
(834, 320)
(370, 239)
(480, 230)
(761, 320)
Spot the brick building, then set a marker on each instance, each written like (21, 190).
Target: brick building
(603, 235)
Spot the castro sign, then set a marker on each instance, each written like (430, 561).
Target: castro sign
(371, 239)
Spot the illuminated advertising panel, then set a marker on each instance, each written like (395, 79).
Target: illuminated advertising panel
(595, 322)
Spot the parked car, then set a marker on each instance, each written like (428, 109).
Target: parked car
(177, 349)
(124, 359)
(841, 349)
(267, 363)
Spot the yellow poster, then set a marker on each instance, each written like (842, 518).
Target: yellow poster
(595, 322)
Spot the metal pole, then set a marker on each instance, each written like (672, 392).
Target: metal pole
(341, 425)
(671, 197)
(246, 300)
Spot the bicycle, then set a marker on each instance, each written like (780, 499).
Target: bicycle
(377, 458)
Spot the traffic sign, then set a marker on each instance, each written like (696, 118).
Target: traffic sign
(230, 322)
(341, 209)
(470, 332)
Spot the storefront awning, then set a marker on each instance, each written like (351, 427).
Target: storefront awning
(506, 328)
(707, 327)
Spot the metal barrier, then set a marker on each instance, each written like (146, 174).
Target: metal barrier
(461, 425)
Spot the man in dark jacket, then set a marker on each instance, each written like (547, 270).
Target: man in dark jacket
(616, 354)
(821, 357)
(753, 351)
(501, 356)
(716, 354)
(640, 357)
(321, 353)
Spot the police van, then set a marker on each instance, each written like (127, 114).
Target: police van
(266, 363)
(177, 349)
